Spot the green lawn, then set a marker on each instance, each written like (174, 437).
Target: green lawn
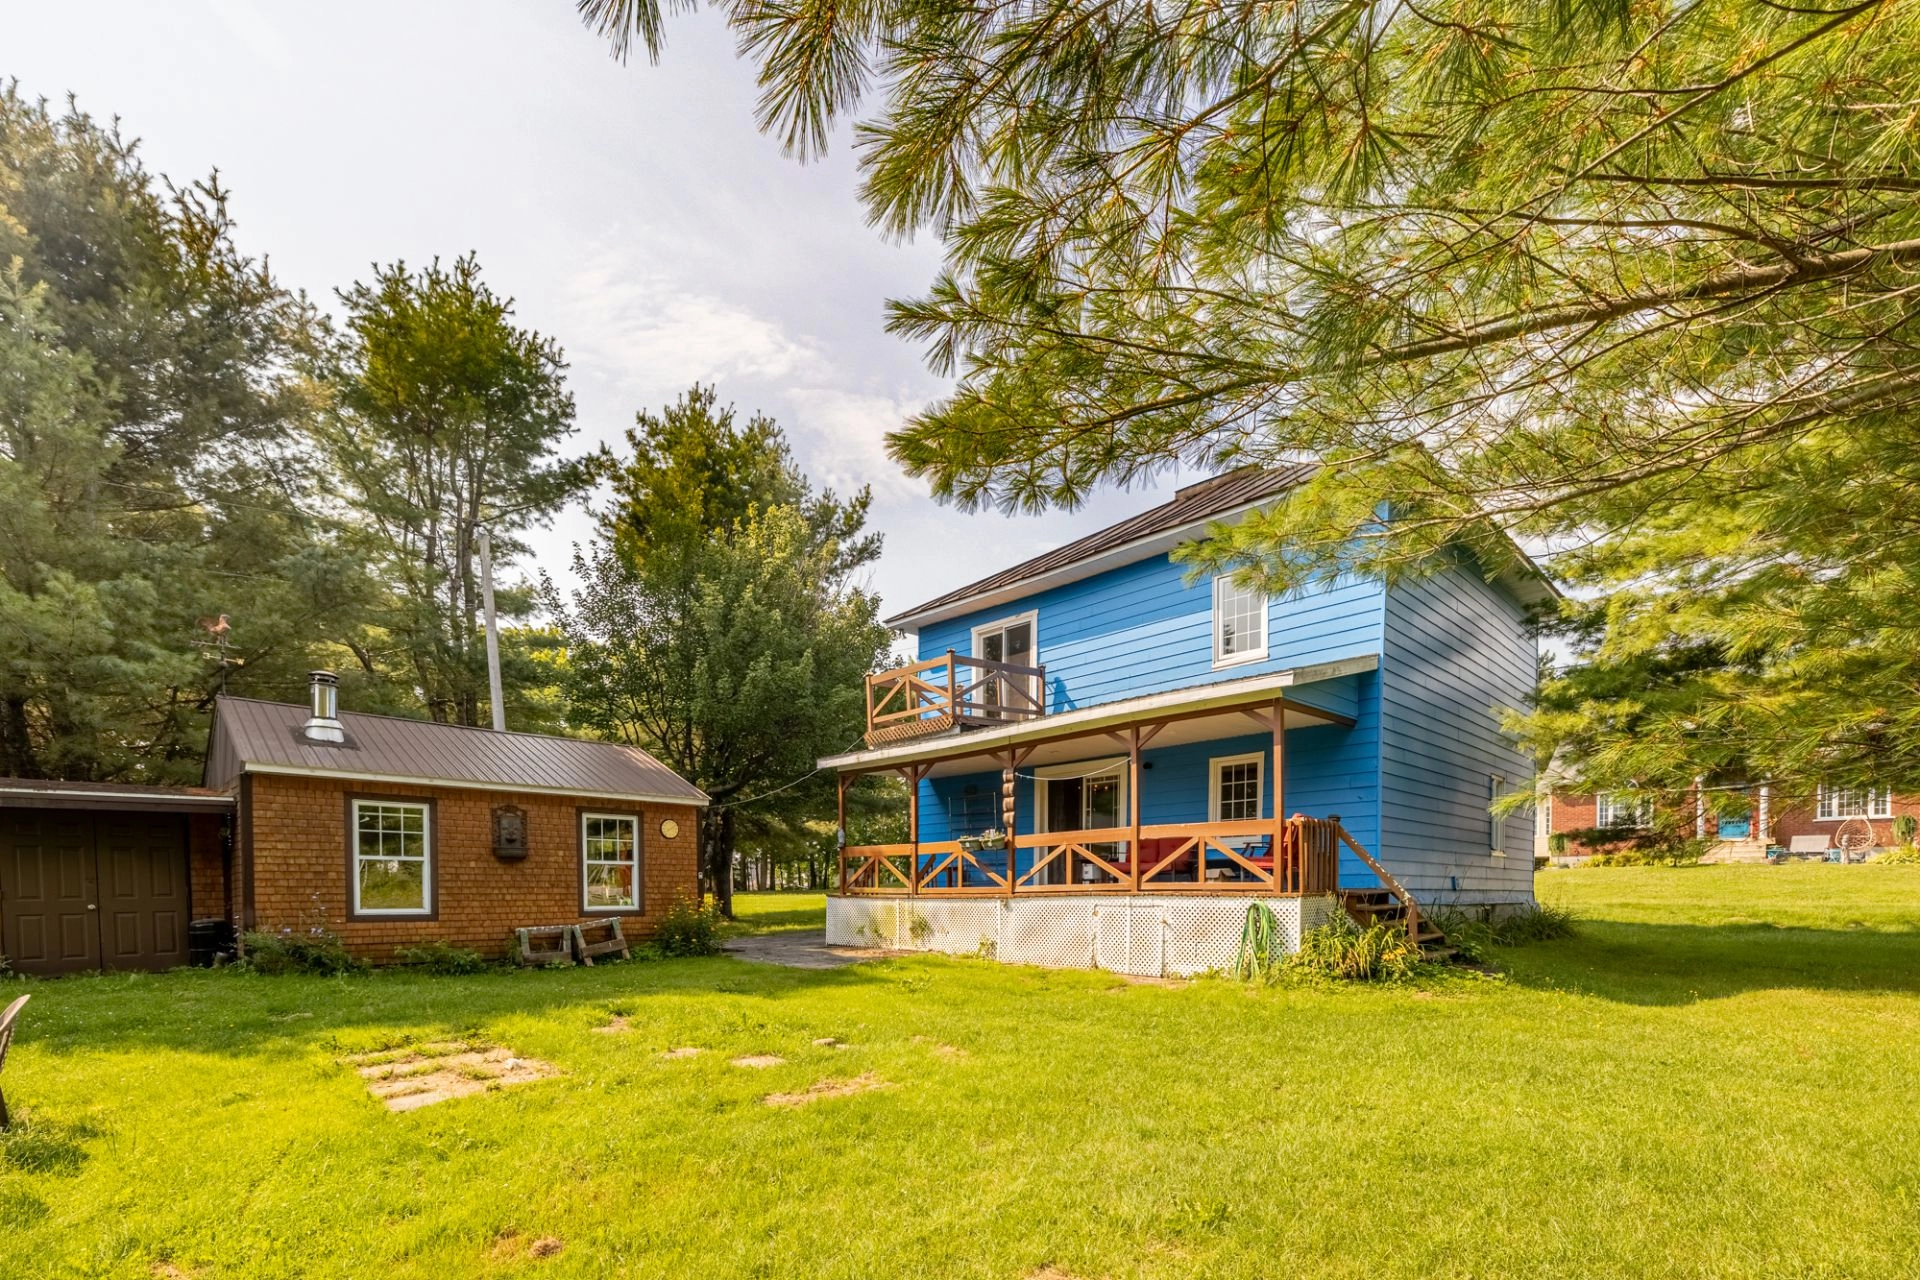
(1718, 1077)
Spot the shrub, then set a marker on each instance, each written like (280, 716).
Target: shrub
(441, 958)
(313, 950)
(1905, 856)
(1905, 827)
(688, 928)
(1342, 950)
(1557, 844)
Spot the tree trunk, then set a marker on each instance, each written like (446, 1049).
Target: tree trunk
(718, 827)
(16, 741)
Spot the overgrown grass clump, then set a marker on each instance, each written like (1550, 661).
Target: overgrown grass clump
(1341, 950)
(1474, 935)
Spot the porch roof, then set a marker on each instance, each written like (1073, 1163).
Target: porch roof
(1201, 712)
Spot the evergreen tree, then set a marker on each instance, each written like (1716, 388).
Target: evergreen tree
(1629, 280)
(152, 470)
(734, 646)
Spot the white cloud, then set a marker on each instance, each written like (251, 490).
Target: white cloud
(840, 436)
(650, 335)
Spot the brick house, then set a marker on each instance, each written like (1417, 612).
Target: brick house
(1741, 836)
(390, 832)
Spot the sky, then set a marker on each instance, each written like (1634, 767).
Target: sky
(634, 213)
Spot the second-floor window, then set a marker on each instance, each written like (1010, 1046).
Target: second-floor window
(1834, 803)
(1622, 809)
(1239, 623)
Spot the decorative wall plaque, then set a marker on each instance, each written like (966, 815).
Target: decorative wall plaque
(669, 828)
(510, 832)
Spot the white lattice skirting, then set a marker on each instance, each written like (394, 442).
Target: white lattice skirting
(1148, 936)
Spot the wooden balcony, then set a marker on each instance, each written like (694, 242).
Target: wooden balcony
(1206, 857)
(951, 692)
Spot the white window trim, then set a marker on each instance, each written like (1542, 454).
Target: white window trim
(639, 895)
(1081, 769)
(1258, 759)
(1250, 655)
(1496, 823)
(1642, 807)
(1031, 617)
(426, 862)
(1879, 803)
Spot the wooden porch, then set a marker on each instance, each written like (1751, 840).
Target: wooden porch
(951, 692)
(1212, 857)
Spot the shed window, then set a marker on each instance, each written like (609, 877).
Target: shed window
(392, 859)
(1834, 803)
(1239, 623)
(1236, 788)
(609, 862)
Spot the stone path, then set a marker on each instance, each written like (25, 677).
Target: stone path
(797, 949)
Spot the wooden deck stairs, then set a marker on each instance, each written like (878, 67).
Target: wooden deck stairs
(1368, 907)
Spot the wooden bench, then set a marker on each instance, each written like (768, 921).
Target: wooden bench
(548, 944)
(7, 1020)
(545, 944)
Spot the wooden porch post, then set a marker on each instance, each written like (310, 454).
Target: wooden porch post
(913, 830)
(1007, 810)
(1133, 796)
(840, 813)
(1279, 792)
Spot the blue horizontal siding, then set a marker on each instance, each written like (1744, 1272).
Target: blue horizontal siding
(1331, 770)
(1142, 628)
(1457, 651)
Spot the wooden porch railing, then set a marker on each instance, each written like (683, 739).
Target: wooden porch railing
(1208, 857)
(945, 692)
(1393, 886)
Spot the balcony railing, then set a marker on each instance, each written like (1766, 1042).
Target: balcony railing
(1205, 857)
(951, 692)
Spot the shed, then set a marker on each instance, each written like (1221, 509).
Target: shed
(394, 832)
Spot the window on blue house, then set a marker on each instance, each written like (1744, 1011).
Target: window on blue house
(1235, 795)
(1239, 623)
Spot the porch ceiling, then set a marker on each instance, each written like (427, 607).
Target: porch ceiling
(1187, 715)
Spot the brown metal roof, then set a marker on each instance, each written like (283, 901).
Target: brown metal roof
(1190, 505)
(264, 737)
(38, 793)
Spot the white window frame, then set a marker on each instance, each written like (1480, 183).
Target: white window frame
(425, 860)
(1031, 617)
(1085, 769)
(1496, 824)
(1218, 765)
(1826, 805)
(586, 860)
(1223, 583)
(1642, 807)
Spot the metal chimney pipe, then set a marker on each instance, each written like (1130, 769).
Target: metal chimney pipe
(323, 708)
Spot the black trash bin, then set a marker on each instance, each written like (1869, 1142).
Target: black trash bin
(209, 942)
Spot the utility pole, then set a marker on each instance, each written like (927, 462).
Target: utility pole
(493, 634)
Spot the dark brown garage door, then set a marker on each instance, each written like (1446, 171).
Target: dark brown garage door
(92, 891)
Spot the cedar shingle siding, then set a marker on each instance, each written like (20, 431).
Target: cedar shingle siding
(299, 864)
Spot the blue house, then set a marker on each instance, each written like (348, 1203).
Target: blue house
(1106, 761)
